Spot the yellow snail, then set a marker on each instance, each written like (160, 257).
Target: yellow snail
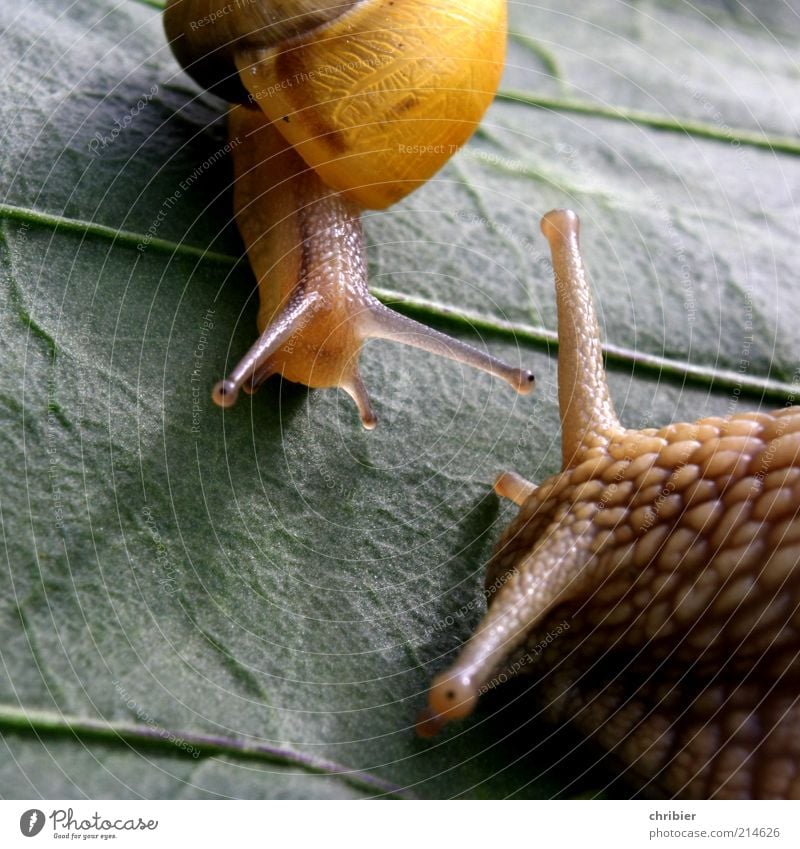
(653, 585)
(338, 106)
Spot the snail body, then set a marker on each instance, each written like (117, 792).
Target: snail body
(337, 107)
(660, 571)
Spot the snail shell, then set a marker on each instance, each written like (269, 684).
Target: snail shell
(653, 585)
(338, 107)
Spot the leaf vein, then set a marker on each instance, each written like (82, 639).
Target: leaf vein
(688, 126)
(48, 723)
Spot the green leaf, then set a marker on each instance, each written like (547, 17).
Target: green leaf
(252, 603)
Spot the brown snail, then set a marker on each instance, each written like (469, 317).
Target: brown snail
(330, 101)
(653, 585)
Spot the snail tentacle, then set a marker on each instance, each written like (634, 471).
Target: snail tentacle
(584, 401)
(524, 595)
(514, 487)
(254, 367)
(354, 387)
(384, 323)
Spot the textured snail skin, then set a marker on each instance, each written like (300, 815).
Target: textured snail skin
(653, 585)
(338, 107)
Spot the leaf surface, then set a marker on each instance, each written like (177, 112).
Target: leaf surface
(271, 589)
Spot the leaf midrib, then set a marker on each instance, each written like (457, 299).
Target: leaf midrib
(536, 336)
(686, 126)
(46, 723)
